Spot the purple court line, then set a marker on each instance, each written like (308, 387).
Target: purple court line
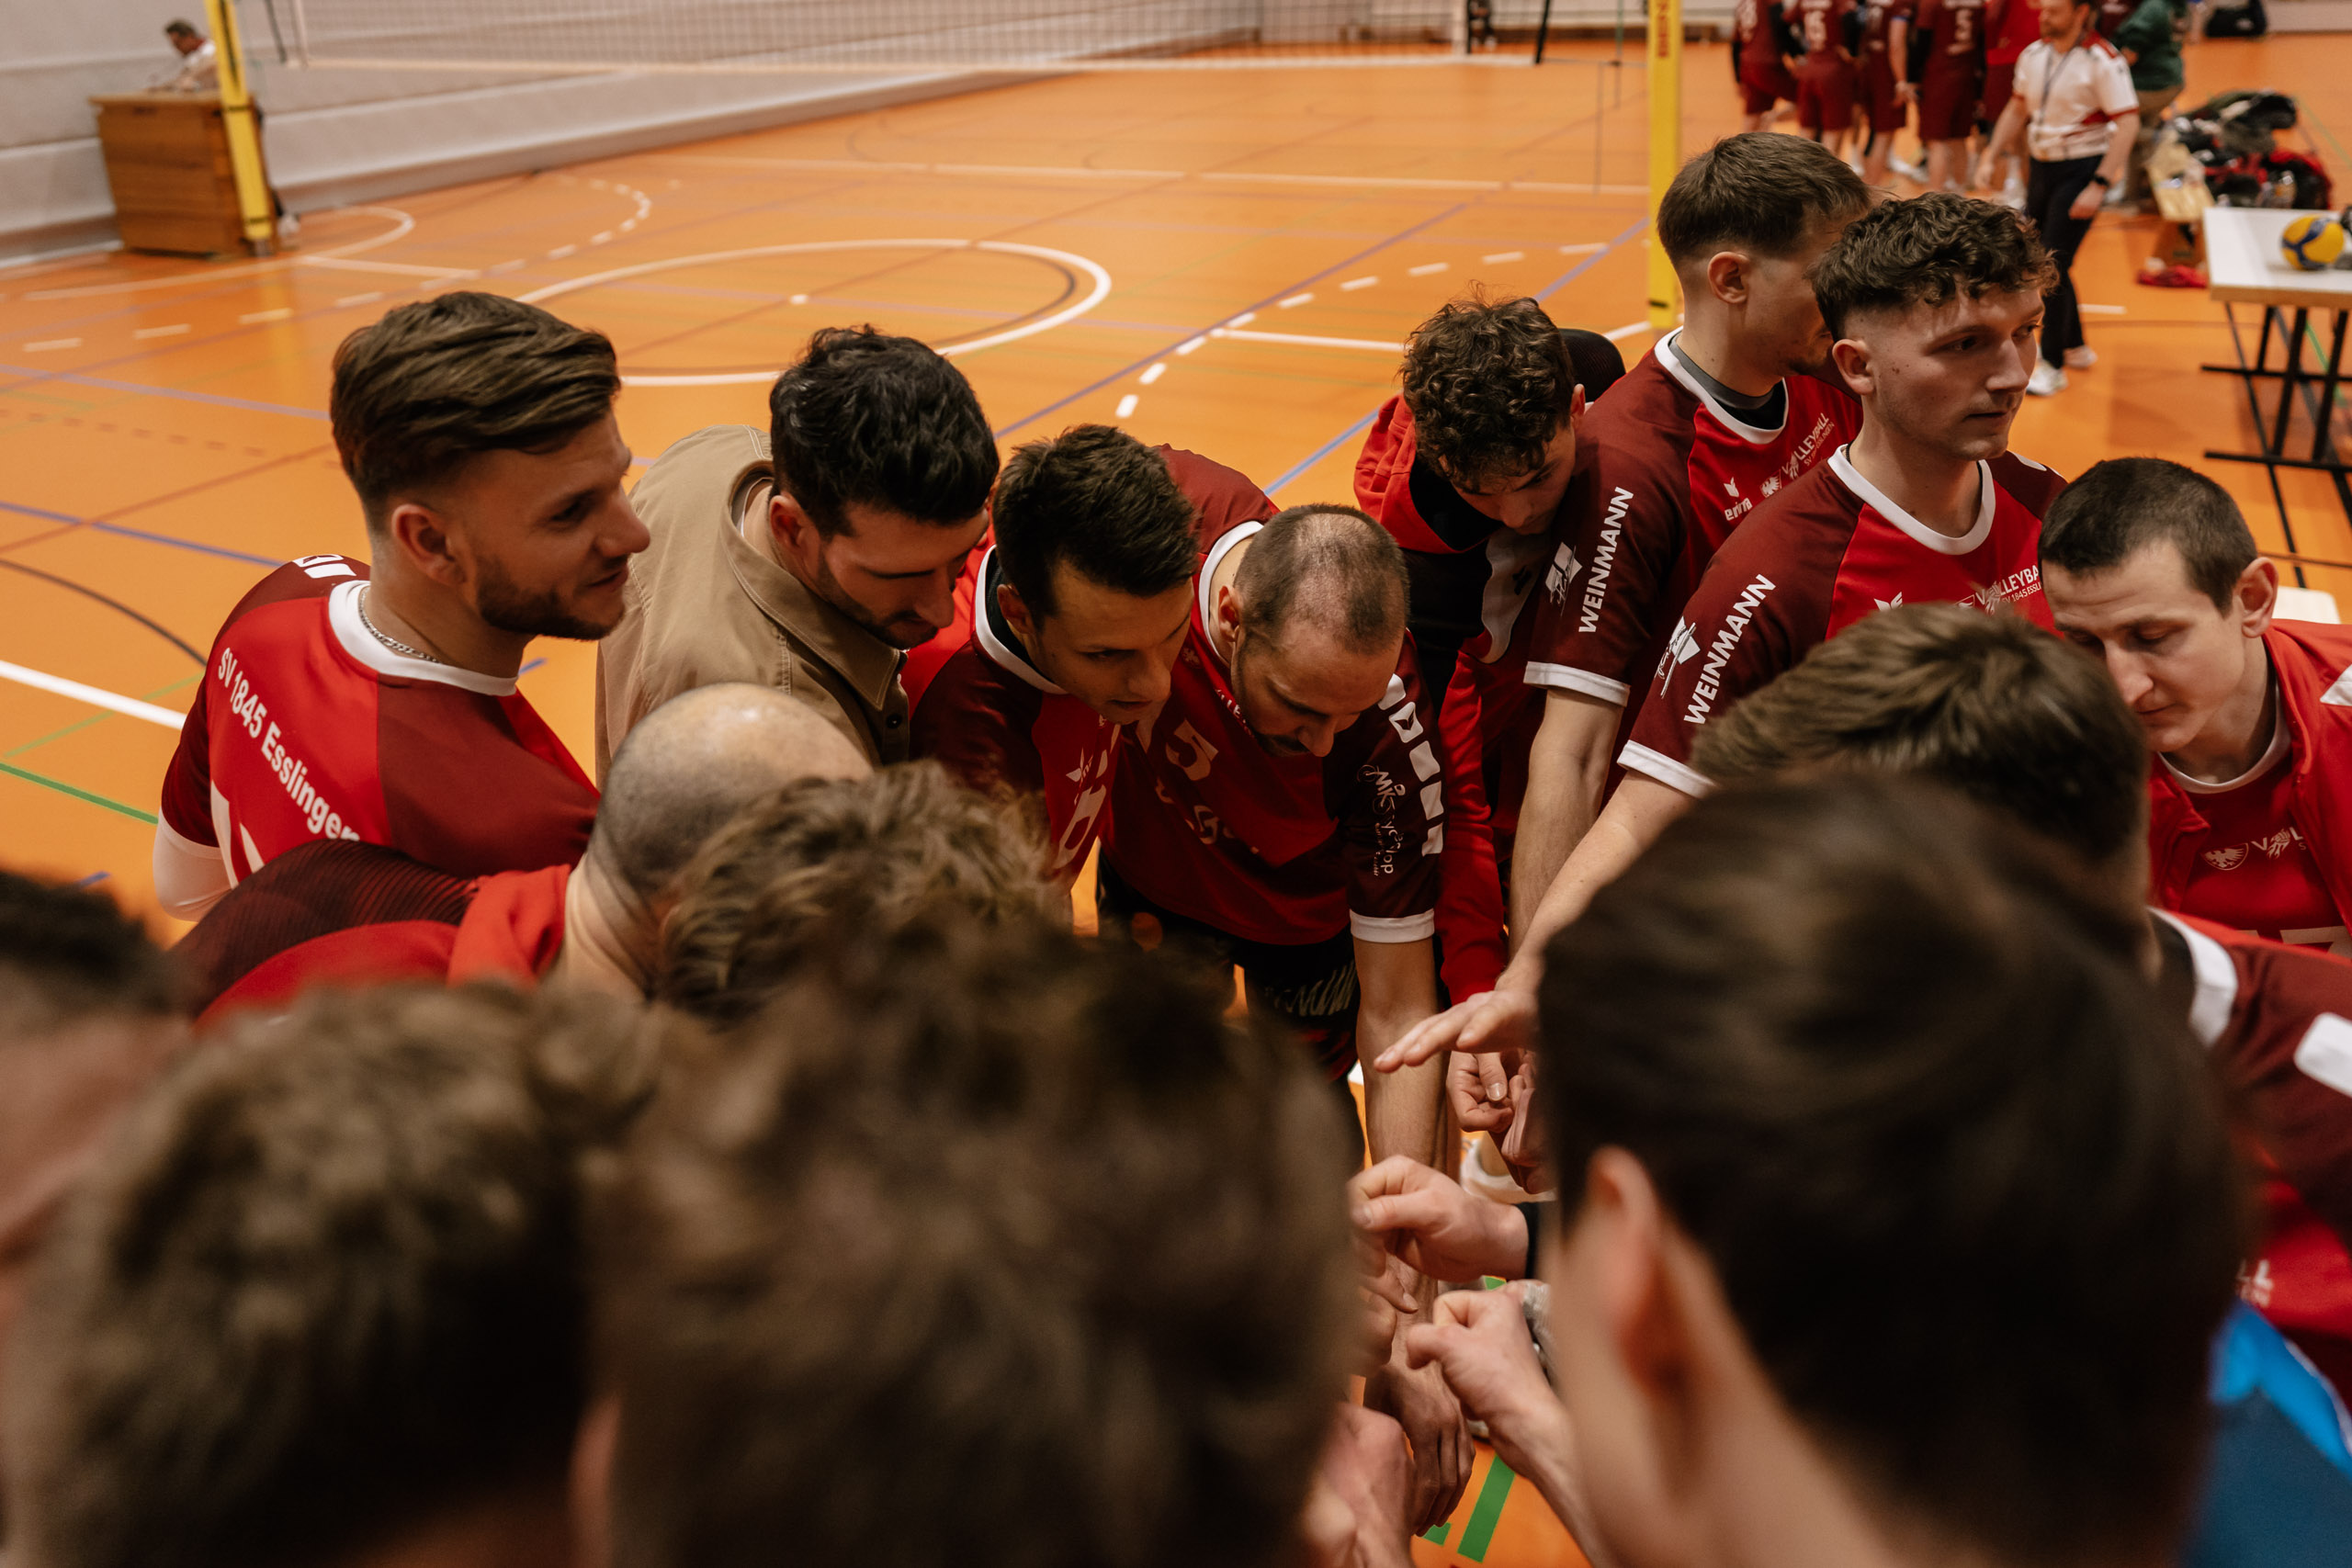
(92, 880)
(1359, 427)
(39, 376)
(139, 534)
(1281, 293)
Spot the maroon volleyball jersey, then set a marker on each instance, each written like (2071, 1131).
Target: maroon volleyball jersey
(1673, 472)
(1821, 27)
(992, 718)
(307, 728)
(1955, 31)
(1206, 821)
(1823, 554)
(2277, 1022)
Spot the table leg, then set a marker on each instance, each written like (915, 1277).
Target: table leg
(2276, 446)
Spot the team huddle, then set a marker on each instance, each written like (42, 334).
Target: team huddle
(1882, 904)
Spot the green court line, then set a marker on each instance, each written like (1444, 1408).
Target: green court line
(1480, 1532)
(64, 788)
(1438, 1533)
(101, 718)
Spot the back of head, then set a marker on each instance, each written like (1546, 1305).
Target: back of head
(1990, 706)
(884, 422)
(1103, 503)
(1759, 192)
(1489, 383)
(1963, 1181)
(983, 1246)
(435, 384)
(1928, 250)
(1329, 568)
(323, 1288)
(68, 954)
(2124, 504)
(691, 764)
(873, 851)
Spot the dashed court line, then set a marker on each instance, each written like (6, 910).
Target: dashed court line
(144, 333)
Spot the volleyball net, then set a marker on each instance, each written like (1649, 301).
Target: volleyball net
(784, 36)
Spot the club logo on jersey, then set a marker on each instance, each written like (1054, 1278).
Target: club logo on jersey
(1680, 648)
(1743, 610)
(1771, 486)
(1895, 603)
(2226, 860)
(1605, 558)
(2271, 847)
(2019, 585)
(1564, 570)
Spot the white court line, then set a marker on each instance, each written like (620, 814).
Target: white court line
(130, 706)
(1351, 285)
(348, 301)
(603, 239)
(281, 313)
(1302, 341)
(1426, 268)
(50, 343)
(1127, 406)
(1584, 250)
(276, 263)
(1189, 343)
(560, 251)
(145, 333)
(1294, 300)
(1620, 334)
(406, 269)
(1503, 256)
(1158, 369)
(864, 166)
(2101, 310)
(1243, 319)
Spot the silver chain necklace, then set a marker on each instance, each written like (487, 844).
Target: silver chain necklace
(393, 643)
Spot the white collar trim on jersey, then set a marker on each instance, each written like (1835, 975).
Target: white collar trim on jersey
(1669, 356)
(2217, 980)
(343, 614)
(2279, 742)
(998, 652)
(1942, 543)
(1205, 595)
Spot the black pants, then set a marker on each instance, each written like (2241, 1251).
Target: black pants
(2050, 190)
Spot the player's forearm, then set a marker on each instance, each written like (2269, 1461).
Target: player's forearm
(1632, 821)
(1401, 1109)
(2006, 132)
(2126, 129)
(1566, 770)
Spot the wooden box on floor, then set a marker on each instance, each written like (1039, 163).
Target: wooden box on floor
(167, 161)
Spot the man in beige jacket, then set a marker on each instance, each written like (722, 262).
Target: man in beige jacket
(810, 557)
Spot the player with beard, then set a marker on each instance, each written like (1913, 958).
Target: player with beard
(1717, 418)
(1933, 303)
(810, 557)
(376, 702)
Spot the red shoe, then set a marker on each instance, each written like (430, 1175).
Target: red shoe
(2176, 276)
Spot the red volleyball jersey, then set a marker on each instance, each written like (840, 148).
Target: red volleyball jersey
(2249, 867)
(2017, 24)
(1955, 31)
(2277, 1022)
(992, 718)
(1825, 552)
(1756, 44)
(1673, 472)
(1875, 25)
(336, 912)
(1207, 822)
(307, 728)
(1821, 27)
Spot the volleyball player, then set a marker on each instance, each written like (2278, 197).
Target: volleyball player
(377, 703)
(1952, 85)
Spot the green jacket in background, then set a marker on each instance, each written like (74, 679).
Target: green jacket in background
(2152, 34)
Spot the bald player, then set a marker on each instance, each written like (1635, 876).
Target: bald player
(360, 913)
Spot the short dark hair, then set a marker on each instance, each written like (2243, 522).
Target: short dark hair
(1966, 1182)
(431, 385)
(1758, 191)
(1990, 706)
(1101, 501)
(181, 28)
(1488, 382)
(326, 1282)
(982, 1246)
(1928, 250)
(1330, 566)
(2124, 504)
(67, 952)
(872, 853)
(866, 419)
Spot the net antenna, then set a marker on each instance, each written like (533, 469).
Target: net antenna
(759, 38)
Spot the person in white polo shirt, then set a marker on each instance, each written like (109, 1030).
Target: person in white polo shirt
(2076, 107)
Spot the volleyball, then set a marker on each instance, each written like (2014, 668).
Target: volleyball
(2311, 240)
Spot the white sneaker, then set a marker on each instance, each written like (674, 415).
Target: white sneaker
(2012, 195)
(2081, 358)
(1916, 173)
(2047, 379)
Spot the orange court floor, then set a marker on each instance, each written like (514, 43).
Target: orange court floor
(1226, 260)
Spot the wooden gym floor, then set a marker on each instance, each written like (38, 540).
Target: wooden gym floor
(1225, 261)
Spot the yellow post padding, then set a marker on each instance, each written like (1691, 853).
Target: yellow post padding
(245, 134)
(1666, 143)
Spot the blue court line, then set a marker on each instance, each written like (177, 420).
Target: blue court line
(1358, 428)
(139, 534)
(1578, 270)
(217, 399)
(1278, 294)
(92, 880)
(534, 665)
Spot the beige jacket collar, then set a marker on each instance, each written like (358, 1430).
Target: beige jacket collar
(863, 660)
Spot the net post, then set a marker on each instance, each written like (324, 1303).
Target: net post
(244, 137)
(1666, 143)
(1542, 30)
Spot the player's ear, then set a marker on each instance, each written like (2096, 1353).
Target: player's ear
(1852, 358)
(1228, 612)
(1575, 407)
(1727, 277)
(1016, 615)
(795, 531)
(2257, 595)
(422, 537)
